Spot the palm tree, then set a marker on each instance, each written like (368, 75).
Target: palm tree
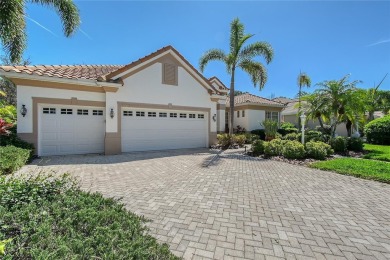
(303, 81)
(315, 109)
(13, 23)
(374, 100)
(240, 57)
(334, 96)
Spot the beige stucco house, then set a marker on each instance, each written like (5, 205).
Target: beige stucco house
(157, 102)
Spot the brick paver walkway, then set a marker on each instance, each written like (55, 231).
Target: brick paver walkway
(241, 207)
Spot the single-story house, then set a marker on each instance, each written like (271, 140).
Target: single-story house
(157, 102)
(251, 110)
(290, 114)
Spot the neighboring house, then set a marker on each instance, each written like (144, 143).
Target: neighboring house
(157, 102)
(250, 111)
(290, 114)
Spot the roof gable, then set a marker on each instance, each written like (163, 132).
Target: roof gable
(219, 83)
(167, 53)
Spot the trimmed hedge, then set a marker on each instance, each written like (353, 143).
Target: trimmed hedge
(293, 150)
(12, 159)
(355, 144)
(14, 140)
(339, 144)
(274, 147)
(378, 131)
(258, 147)
(260, 133)
(318, 150)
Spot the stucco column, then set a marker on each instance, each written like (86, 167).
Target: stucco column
(112, 139)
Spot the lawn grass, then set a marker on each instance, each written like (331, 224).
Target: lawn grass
(377, 152)
(51, 218)
(362, 168)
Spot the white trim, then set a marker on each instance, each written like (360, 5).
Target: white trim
(85, 82)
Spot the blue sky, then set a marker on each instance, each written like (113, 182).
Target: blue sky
(325, 39)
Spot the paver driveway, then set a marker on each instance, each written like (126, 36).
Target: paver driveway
(241, 207)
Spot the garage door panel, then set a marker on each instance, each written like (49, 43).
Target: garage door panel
(159, 133)
(62, 134)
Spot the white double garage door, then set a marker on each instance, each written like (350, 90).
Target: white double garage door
(80, 130)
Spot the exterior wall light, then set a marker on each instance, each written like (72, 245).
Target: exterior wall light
(112, 113)
(303, 120)
(215, 117)
(23, 110)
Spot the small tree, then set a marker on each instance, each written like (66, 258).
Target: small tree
(270, 129)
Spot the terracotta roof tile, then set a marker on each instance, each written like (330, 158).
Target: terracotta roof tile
(92, 72)
(250, 98)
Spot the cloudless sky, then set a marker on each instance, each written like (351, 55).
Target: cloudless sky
(325, 39)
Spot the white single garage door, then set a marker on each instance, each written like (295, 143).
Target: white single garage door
(70, 130)
(144, 130)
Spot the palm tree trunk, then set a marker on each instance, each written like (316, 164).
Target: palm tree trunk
(299, 106)
(370, 116)
(321, 123)
(231, 103)
(348, 125)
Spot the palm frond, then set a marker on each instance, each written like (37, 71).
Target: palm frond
(12, 29)
(68, 12)
(236, 34)
(303, 80)
(253, 50)
(256, 71)
(211, 55)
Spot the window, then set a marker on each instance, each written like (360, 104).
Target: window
(172, 114)
(243, 113)
(97, 112)
(238, 114)
(200, 116)
(66, 111)
(127, 113)
(162, 114)
(170, 72)
(82, 112)
(183, 115)
(139, 113)
(272, 115)
(47, 110)
(191, 116)
(151, 114)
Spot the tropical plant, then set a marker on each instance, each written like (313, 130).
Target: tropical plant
(303, 81)
(374, 101)
(242, 57)
(377, 131)
(4, 127)
(13, 23)
(333, 98)
(315, 109)
(270, 128)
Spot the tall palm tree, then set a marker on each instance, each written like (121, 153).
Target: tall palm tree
(13, 23)
(303, 81)
(334, 95)
(374, 100)
(242, 57)
(315, 109)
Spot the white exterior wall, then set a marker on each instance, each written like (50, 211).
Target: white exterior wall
(26, 93)
(221, 120)
(146, 87)
(256, 117)
(241, 121)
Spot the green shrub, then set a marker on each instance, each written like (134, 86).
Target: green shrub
(313, 136)
(378, 131)
(327, 130)
(286, 125)
(239, 139)
(258, 147)
(49, 218)
(287, 128)
(8, 113)
(12, 158)
(291, 137)
(318, 150)
(224, 140)
(339, 144)
(355, 144)
(270, 128)
(274, 147)
(13, 140)
(250, 138)
(260, 133)
(293, 150)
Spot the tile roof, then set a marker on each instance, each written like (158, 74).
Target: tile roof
(250, 98)
(92, 72)
(215, 78)
(284, 100)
